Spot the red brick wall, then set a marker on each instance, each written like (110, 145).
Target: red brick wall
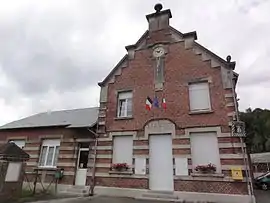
(211, 187)
(181, 65)
(123, 182)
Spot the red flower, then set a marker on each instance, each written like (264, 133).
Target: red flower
(120, 166)
(204, 168)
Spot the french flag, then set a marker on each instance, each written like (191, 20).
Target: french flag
(164, 105)
(148, 103)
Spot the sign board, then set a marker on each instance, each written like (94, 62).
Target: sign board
(13, 172)
(237, 173)
(238, 129)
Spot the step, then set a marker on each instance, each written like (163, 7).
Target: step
(160, 196)
(160, 199)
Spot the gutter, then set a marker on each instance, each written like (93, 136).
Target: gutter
(93, 178)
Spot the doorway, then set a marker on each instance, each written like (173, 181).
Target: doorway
(160, 163)
(81, 173)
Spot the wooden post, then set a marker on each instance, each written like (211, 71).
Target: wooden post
(35, 182)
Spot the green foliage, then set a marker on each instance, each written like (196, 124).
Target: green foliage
(257, 129)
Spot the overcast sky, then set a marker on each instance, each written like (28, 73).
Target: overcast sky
(53, 53)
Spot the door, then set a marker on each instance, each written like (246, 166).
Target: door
(81, 172)
(161, 163)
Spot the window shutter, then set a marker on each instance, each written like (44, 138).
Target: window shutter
(199, 96)
(202, 154)
(122, 149)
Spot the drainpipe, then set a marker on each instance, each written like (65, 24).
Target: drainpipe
(92, 182)
(246, 162)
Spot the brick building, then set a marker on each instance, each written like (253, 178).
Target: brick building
(165, 109)
(58, 139)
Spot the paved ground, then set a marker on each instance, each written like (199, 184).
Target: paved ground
(99, 199)
(261, 197)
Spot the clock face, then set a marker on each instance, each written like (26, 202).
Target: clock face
(158, 52)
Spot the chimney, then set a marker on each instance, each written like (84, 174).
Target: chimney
(160, 19)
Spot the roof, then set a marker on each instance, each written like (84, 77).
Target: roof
(260, 157)
(10, 151)
(74, 118)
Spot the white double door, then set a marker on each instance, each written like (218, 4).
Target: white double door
(81, 173)
(161, 163)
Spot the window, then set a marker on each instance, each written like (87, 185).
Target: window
(124, 104)
(199, 97)
(19, 143)
(49, 153)
(122, 149)
(201, 153)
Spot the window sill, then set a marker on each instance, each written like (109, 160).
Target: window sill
(123, 118)
(200, 112)
(121, 172)
(48, 168)
(214, 175)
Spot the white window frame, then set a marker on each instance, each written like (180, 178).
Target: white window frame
(217, 161)
(126, 96)
(203, 86)
(19, 142)
(123, 149)
(49, 143)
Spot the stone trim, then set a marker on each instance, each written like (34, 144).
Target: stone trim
(104, 147)
(123, 133)
(118, 175)
(230, 104)
(83, 140)
(17, 138)
(212, 179)
(66, 164)
(228, 95)
(31, 148)
(231, 145)
(106, 156)
(204, 129)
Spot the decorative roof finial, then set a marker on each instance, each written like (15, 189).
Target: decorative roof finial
(158, 7)
(228, 58)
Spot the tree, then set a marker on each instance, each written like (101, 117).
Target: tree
(257, 129)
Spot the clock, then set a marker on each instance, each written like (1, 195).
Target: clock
(158, 52)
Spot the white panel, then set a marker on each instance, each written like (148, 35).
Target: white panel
(199, 96)
(122, 149)
(19, 143)
(140, 166)
(181, 166)
(52, 142)
(204, 149)
(125, 95)
(161, 163)
(13, 172)
(81, 177)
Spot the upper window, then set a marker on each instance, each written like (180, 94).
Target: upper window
(122, 149)
(19, 143)
(124, 104)
(199, 97)
(205, 155)
(49, 153)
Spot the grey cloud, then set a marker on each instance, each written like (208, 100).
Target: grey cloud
(37, 52)
(53, 53)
